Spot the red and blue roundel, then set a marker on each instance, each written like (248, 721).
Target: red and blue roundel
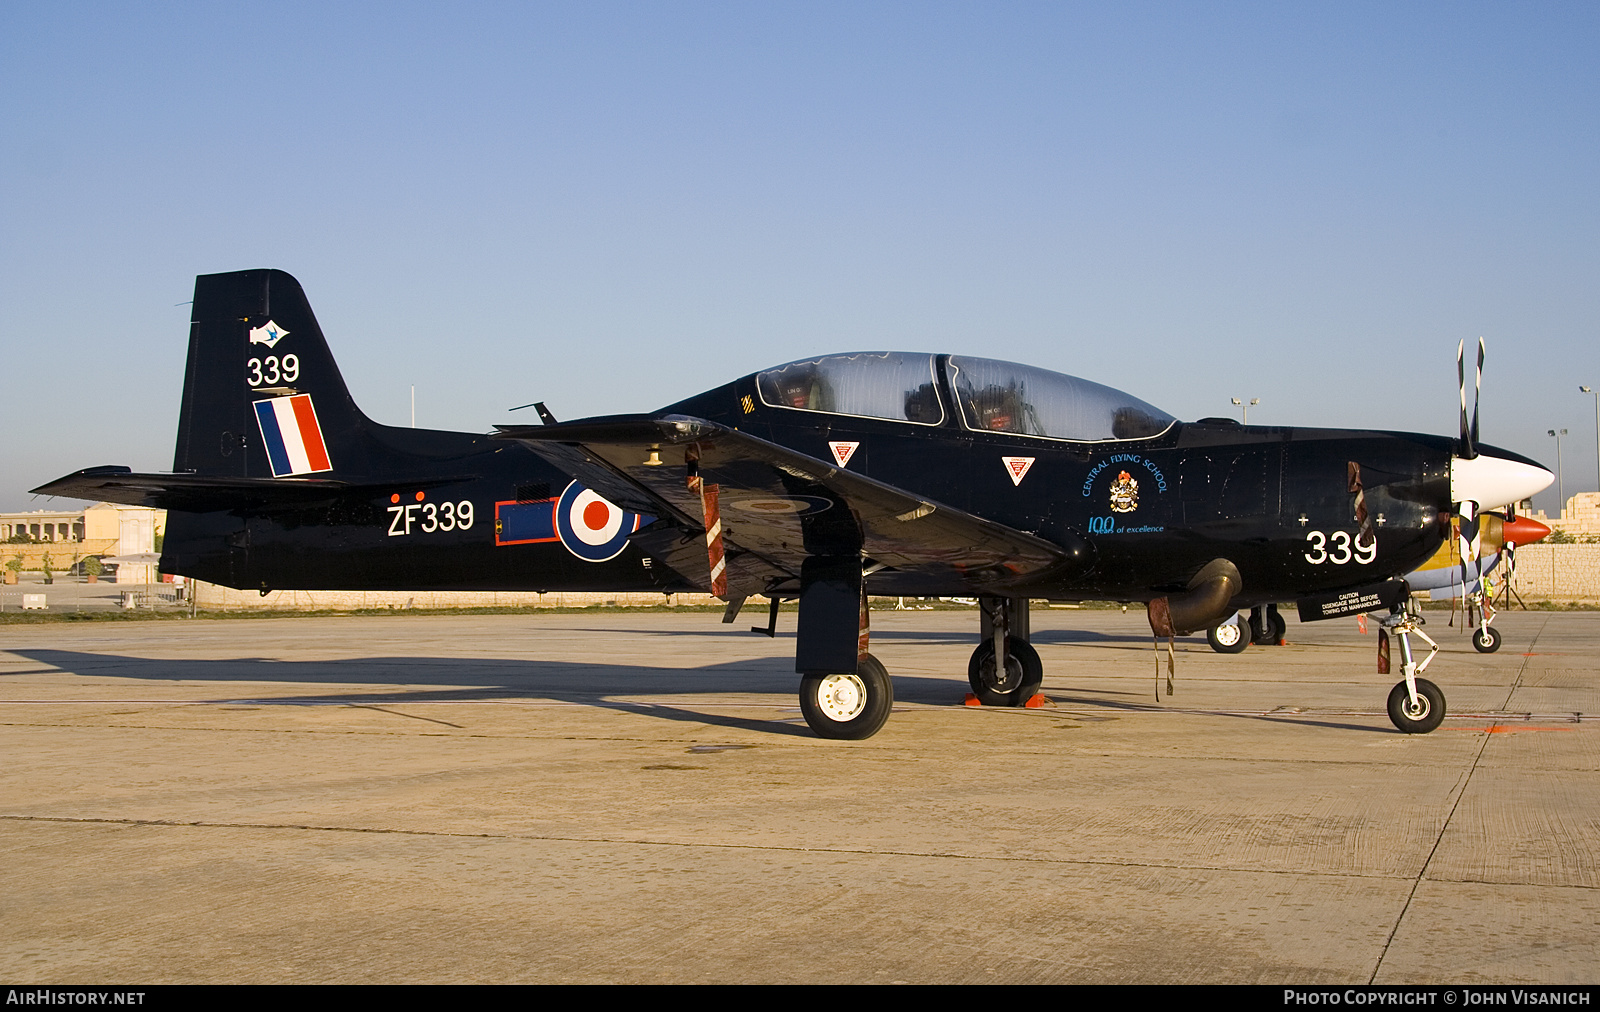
(590, 527)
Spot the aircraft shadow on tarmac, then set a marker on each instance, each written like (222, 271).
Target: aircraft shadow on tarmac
(1046, 636)
(456, 679)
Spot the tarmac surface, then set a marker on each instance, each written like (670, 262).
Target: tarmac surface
(636, 798)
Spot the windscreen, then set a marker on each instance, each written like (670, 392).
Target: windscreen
(1006, 397)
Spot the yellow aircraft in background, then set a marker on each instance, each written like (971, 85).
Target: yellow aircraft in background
(1445, 575)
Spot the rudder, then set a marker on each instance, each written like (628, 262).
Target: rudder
(262, 395)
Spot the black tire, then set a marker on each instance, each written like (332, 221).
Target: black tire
(1427, 715)
(848, 707)
(1276, 628)
(1229, 637)
(1024, 673)
(1486, 640)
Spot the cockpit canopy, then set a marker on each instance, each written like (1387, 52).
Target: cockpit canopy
(991, 396)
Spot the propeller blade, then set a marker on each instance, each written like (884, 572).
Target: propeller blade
(1508, 551)
(1461, 386)
(1477, 394)
(1467, 544)
(1518, 531)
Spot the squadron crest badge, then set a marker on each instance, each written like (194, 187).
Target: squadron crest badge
(1124, 494)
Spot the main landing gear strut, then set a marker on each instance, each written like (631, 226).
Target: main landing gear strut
(845, 692)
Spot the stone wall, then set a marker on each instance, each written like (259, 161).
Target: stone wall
(1558, 573)
(61, 553)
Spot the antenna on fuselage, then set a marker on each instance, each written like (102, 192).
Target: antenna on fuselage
(544, 413)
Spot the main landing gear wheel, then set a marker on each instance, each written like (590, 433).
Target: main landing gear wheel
(1275, 627)
(848, 707)
(1229, 637)
(1423, 717)
(1024, 673)
(1486, 640)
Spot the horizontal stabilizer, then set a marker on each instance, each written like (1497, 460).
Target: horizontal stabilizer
(193, 493)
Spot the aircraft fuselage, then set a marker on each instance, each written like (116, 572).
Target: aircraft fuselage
(1276, 501)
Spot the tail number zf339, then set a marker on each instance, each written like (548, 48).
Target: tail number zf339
(1339, 548)
(429, 517)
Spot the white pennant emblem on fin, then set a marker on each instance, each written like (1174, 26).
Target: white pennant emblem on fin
(268, 334)
(1017, 467)
(842, 452)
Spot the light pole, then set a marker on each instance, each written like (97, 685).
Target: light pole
(1244, 409)
(1596, 393)
(1561, 490)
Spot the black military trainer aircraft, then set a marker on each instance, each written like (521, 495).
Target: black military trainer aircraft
(825, 480)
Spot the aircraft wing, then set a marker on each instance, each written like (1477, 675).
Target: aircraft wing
(778, 507)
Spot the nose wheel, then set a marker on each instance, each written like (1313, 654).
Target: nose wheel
(1419, 716)
(1486, 640)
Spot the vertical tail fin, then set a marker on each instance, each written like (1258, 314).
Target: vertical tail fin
(262, 396)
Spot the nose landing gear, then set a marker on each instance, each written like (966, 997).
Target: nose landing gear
(1485, 638)
(1416, 706)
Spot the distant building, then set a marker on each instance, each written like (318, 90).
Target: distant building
(1580, 518)
(104, 529)
(43, 525)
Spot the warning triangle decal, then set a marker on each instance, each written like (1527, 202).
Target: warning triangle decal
(842, 452)
(1017, 467)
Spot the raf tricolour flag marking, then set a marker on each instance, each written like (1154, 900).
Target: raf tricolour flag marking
(292, 436)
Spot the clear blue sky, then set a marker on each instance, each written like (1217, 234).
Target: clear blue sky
(611, 206)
